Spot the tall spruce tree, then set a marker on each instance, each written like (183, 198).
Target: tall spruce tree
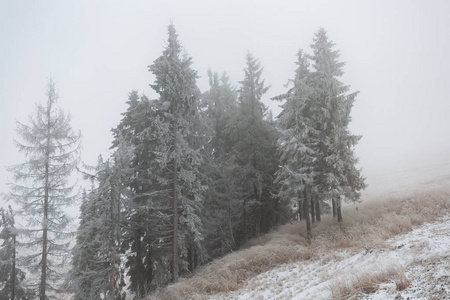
(296, 143)
(337, 175)
(175, 83)
(97, 271)
(254, 147)
(168, 188)
(223, 210)
(140, 218)
(42, 185)
(84, 275)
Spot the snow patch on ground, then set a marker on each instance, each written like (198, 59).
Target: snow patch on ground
(423, 254)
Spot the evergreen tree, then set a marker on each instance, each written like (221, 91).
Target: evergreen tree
(223, 210)
(84, 275)
(175, 84)
(140, 219)
(11, 277)
(42, 186)
(96, 265)
(254, 146)
(337, 174)
(167, 183)
(296, 143)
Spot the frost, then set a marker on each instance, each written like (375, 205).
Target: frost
(423, 254)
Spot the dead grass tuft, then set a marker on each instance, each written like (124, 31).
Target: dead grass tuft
(374, 222)
(232, 271)
(368, 283)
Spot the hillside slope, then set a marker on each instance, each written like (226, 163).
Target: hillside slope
(362, 256)
(414, 265)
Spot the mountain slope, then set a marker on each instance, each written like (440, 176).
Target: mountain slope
(281, 264)
(416, 263)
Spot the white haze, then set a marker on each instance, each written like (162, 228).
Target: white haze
(396, 54)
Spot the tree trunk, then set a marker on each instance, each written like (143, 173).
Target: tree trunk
(45, 219)
(300, 209)
(13, 279)
(175, 208)
(258, 217)
(307, 217)
(195, 258)
(339, 211)
(230, 228)
(44, 253)
(112, 275)
(277, 213)
(304, 206)
(318, 217)
(112, 234)
(190, 256)
(139, 269)
(243, 238)
(333, 202)
(313, 206)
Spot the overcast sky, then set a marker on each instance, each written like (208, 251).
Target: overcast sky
(396, 54)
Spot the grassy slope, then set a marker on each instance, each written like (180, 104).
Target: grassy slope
(375, 221)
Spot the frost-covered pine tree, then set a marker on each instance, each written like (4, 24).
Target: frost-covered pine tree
(11, 277)
(83, 276)
(254, 146)
(97, 271)
(221, 204)
(175, 83)
(295, 176)
(337, 175)
(42, 186)
(163, 234)
(140, 221)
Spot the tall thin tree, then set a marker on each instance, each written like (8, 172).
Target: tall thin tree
(296, 142)
(42, 184)
(254, 149)
(337, 173)
(175, 83)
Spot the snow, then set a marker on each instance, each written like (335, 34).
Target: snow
(423, 254)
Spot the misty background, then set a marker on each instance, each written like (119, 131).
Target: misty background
(396, 54)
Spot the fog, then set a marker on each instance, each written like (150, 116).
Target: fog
(396, 54)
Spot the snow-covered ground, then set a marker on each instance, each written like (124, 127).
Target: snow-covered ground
(422, 254)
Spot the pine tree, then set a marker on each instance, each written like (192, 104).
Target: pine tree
(96, 265)
(84, 275)
(223, 211)
(337, 174)
(137, 129)
(296, 143)
(254, 146)
(42, 186)
(11, 277)
(175, 84)
(165, 211)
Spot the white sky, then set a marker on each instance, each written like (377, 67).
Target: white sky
(397, 55)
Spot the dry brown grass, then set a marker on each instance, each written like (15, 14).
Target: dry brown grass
(374, 222)
(368, 283)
